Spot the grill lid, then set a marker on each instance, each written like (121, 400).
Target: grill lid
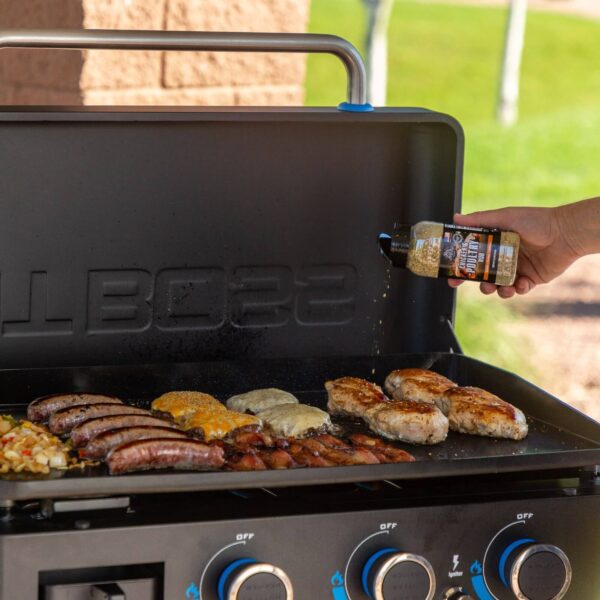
(130, 236)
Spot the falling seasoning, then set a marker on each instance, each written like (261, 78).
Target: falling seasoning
(438, 250)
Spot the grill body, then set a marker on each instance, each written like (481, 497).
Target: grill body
(230, 249)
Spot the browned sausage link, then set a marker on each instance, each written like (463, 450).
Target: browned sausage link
(162, 453)
(86, 431)
(41, 408)
(101, 444)
(64, 420)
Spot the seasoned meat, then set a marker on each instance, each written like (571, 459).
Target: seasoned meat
(62, 421)
(361, 439)
(246, 462)
(412, 422)
(352, 396)
(386, 453)
(258, 400)
(246, 441)
(182, 405)
(41, 408)
(295, 420)
(336, 455)
(303, 456)
(476, 411)
(163, 453)
(102, 443)
(212, 425)
(418, 384)
(331, 441)
(81, 434)
(277, 458)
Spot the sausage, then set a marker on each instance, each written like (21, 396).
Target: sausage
(101, 444)
(162, 453)
(62, 421)
(41, 408)
(87, 430)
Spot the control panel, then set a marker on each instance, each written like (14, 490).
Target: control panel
(533, 549)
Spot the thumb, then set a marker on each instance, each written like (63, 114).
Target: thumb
(502, 218)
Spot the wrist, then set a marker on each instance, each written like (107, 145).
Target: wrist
(579, 227)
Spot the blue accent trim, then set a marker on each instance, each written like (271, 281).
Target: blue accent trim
(339, 593)
(367, 568)
(506, 554)
(357, 108)
(480, 589)
(227, 572)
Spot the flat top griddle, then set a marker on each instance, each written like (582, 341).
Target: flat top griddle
(559, 437)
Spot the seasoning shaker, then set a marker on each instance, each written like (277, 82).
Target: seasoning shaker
(434, 249)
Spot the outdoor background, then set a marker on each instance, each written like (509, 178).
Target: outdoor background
(447, 57)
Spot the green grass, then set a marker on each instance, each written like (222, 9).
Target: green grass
(447, 58)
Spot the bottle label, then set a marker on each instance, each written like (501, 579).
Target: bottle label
(470, 253)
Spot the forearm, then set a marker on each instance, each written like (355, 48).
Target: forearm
(579, 224)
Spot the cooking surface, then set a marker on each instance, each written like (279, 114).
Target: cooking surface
(559, 437)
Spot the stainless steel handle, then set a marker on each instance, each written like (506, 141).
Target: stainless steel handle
(107, 39)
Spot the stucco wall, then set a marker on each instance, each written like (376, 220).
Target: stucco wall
(178, 78)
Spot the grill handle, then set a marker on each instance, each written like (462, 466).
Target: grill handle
(107, 39)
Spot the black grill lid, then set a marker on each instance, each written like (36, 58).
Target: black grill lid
(131, 236)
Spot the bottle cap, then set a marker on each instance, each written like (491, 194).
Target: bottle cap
(395, 247)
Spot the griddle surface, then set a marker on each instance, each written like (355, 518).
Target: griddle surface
(559, 437)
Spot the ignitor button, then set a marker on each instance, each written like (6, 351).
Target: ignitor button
(247, 579)
(393, 575)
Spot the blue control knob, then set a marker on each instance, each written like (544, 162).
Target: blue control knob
(390, 573)
(248, 579)
(535, 571)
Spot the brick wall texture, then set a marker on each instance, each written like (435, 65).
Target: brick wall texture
(96, 77)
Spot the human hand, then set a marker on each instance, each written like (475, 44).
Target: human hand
(545, 251)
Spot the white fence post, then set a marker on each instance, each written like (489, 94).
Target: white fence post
(378, 18)
(508, 100)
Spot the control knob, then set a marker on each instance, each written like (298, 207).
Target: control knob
(456, 593)
(535, 571)
(390, 574)
(248, 579)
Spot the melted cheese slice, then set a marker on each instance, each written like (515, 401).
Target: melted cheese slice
(258, 400)
(214, 424)
(182, 405)
(295, 420)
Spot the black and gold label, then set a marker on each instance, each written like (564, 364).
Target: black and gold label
(470, 253)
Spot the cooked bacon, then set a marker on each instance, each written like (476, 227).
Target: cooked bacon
(277, 459)
(246, 462)
(348, 456)
(331, 441)
(386, 453)
(245, 440)
(361, 439)
(305, 457)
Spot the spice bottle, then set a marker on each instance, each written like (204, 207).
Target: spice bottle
(437, 250)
